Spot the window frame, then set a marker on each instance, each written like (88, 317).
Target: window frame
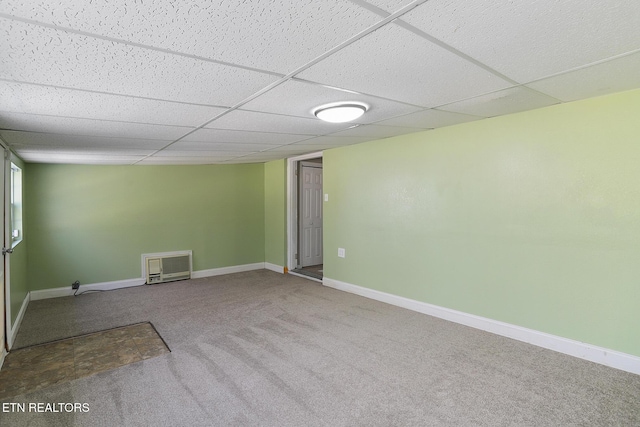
(16, 204)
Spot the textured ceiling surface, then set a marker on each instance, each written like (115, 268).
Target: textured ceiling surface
(205, 81)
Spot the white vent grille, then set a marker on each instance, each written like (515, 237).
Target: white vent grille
(175, 264)
(160, 268)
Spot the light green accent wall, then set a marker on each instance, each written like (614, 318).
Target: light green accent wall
(92, 223)
(531, 219)
(18, 260)
(275, 209)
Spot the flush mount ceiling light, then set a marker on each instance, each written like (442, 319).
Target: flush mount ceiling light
(341, 112)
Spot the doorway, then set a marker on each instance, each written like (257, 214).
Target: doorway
(305, 224)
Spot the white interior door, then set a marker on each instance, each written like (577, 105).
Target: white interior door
(310, 215)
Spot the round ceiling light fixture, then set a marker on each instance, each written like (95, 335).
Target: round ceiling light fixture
(340, 112)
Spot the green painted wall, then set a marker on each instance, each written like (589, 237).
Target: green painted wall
(275, 209)
(92, 223)
(18, 262)
(531, 219)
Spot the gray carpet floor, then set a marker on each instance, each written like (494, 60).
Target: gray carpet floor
(263, 349)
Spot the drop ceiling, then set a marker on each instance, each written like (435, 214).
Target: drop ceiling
(200, 82)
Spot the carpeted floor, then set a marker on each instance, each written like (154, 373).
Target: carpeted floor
(260, 348)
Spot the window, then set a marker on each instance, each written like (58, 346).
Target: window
(16, 205)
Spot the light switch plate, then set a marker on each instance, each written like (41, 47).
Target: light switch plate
(326, 197)
(341, 252)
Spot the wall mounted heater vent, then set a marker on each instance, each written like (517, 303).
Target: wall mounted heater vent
(162, 268)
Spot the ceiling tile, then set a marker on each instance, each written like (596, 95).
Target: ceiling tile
(294, 149)
(66, 125)
(242, 137)
(389, 5)
(47, 56)
(506, 101)
(74, 158)
(183, 160)
(183, 145)
(89, 151)
(257, 158)
(198, 153)
(608, 77)
(527, 40)
(276, 123)
(268, 155)
(303, 148)
(35, 99)
(331, 140)
(272, 35)
(429, 119)
(376, 131)
(296, 98)
(36, 139)
(397, 64)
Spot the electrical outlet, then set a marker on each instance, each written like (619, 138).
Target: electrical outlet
(75, 285)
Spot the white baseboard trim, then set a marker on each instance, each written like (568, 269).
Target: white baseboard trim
(274, 267)
(592, 353)
(13, 332)
(67, 291)
(127, 283)
(227, 270)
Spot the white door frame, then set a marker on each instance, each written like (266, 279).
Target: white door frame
(292, 206)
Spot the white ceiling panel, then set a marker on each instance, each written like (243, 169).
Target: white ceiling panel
(386, 5)
(242, 137)
(295, 149)
(256, 158)
(35, 99)
(296, 98)
(267, 155)
(376, 131)
(265, 122)
(272, 35)
(429, 119)
(183, 160)
(88, 159)
(528, 40)
(89, 151)
(36, 140)
(331, 140)
(502, 102)
(183, 145)
(170, 152)
(304, 148)
(397, 64)
(48, 56)
(608, 77)
(67, 125)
